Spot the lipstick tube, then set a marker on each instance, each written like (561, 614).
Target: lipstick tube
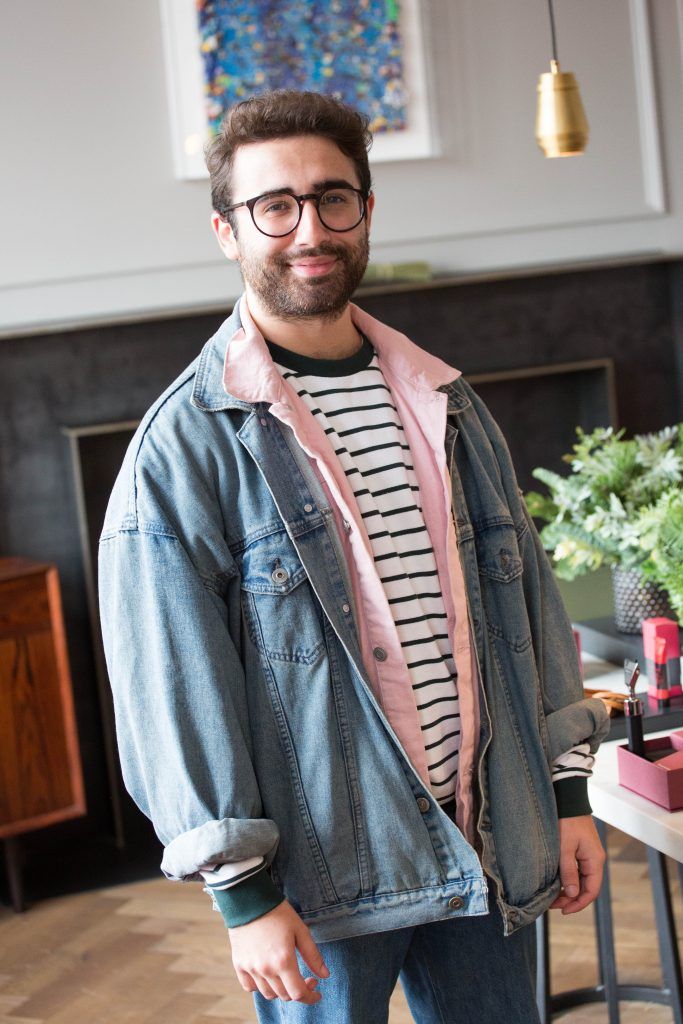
(662, 660)
(633, 710)
(661, 674)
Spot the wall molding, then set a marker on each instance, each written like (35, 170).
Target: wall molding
(648, 112)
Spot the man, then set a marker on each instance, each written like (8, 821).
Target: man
(346, 690)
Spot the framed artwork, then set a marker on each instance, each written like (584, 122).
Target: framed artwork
(369, 53)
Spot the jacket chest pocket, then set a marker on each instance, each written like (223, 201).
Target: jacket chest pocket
(500, 572)
(281, 611)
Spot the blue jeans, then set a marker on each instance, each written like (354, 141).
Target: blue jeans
(460, 971)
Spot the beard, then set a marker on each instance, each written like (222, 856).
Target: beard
(287, 297)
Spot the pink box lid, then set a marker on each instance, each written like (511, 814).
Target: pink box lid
(660, 626)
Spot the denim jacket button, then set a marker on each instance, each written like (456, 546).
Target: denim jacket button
(456, 902)
(279, 575)
(423, 803)
(308, 507)
(346, 609)
(379, 653)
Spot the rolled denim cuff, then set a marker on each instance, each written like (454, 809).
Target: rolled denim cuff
(227, 839)
(584, 721)
(247, 900)
(571, 797)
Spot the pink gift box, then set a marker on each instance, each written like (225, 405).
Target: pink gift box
(660, 781)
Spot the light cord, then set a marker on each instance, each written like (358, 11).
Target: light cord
(552, 30)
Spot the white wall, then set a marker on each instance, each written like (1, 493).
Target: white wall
(96, 226)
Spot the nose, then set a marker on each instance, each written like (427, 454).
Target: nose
(310, 229)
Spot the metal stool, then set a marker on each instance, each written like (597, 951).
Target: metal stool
(608, 989)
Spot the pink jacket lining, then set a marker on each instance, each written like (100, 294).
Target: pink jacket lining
(412, 374)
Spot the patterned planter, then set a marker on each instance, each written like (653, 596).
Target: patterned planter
(636, 599)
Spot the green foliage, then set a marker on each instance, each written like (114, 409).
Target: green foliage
(621, 504)
(662, 534)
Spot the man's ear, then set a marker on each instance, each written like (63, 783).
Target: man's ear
(225, 235)
(370, 205)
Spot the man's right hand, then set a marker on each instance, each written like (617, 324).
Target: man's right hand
(263, 953)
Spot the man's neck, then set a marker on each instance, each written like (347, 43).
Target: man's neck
(318, 338)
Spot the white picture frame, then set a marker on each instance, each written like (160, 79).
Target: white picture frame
(185, 86)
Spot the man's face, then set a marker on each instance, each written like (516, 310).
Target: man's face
(312, 272)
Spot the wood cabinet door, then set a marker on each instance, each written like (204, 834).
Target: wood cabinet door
(41, 780)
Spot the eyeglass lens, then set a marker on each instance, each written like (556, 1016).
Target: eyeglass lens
(340, 209)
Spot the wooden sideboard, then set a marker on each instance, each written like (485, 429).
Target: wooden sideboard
(41, 779)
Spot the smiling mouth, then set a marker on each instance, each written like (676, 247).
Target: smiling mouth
(314, 267)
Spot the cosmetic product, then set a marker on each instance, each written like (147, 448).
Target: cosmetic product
(655, 631)
(633, 709)
(661, 674)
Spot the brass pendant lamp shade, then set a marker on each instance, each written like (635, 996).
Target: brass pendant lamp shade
(561, 125)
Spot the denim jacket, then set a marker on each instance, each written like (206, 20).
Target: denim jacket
(246, 720)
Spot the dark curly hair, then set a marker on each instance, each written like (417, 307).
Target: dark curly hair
(278, 114)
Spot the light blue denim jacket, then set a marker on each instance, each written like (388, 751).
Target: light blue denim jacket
(246, 722)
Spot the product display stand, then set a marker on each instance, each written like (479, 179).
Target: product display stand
(661, 832)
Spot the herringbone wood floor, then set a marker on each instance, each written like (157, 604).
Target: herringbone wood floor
(155, 953)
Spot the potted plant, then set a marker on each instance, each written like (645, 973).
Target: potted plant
(622, 506)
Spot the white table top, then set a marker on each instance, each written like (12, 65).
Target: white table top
(629, 812)
(614, 804)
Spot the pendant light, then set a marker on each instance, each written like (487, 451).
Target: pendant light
(561, 125)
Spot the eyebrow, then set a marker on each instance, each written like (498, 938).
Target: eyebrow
(318, 186)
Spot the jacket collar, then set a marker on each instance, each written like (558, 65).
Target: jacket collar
(236, 370)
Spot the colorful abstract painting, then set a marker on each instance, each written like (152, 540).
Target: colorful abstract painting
(351, 49)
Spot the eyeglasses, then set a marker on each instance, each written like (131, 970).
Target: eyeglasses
(278, 213)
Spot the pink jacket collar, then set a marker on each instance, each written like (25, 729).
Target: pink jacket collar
(250, 374)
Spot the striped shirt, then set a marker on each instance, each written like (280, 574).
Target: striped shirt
(354, 406)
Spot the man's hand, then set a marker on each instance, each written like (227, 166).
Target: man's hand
(263, 953)
(581, 862)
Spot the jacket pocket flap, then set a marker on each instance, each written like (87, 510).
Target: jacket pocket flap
(271, 566)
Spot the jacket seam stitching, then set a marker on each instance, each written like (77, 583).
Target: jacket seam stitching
(350, 767)
(181, 384)
(522, 754)
(214, 582)
(292, 760)
(141, 529)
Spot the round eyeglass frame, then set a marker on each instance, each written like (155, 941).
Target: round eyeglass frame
(315, 196)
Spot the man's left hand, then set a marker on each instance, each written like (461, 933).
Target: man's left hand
(581, 863)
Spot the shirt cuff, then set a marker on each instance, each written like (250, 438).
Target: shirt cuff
(223, 876)
(571, 797)
(577, 761)
(246, 901)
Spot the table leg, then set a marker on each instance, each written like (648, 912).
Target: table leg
(604, 932)
(666, 931)
(14, 873)
(543, 1001)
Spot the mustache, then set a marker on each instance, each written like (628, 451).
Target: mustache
(324, 249)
